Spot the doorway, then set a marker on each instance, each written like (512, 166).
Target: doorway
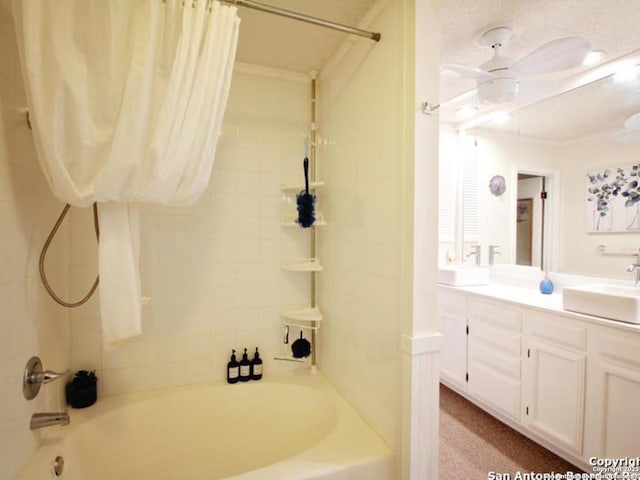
(530, 220)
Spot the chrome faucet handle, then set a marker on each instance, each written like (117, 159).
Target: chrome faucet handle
(34, 376)
(493, 251)
(46, 376)
(475, 250)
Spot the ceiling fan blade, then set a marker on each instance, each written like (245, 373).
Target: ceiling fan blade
(555, 56)
(633, 122)
(627, 137)
(467, 72)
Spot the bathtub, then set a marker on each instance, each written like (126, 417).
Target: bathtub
(289, 428)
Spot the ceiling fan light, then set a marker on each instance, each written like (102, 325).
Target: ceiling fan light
(593, 57)
(499, 90)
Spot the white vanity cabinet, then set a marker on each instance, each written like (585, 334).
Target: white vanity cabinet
(613, 393)
(554, 379)
(495, 351)
(570, 382)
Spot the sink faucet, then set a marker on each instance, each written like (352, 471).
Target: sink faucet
(493, 251)
(41, 420)
(635, 266)
(475, 250)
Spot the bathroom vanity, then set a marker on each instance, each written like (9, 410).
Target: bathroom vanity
(569, 381)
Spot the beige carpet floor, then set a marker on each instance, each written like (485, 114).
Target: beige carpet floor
(473, 443)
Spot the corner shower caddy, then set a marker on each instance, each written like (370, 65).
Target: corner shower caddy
(308, 317)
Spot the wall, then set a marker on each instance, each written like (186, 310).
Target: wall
(504, 155)
(361, 164)
(578, 248)
(31, 323)
(212, 270)
(364, 160)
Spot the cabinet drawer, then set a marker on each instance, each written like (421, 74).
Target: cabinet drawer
(496, 389)
(452, 303)
(508, 365)
(499, 315)
(621, 347)
(557, 330)
(507, 342)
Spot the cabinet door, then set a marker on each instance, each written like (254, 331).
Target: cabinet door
(453, 318)
(615, 391)
(554, 398)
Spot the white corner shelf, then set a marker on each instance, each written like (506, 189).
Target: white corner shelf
(291, 221)
(309, 314)
(303, 265)
(290, 189)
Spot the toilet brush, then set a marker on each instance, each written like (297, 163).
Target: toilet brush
(306, 201)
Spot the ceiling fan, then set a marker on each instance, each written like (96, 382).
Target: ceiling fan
(631, 132)
(499, 78)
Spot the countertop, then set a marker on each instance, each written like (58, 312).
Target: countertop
(532, 298)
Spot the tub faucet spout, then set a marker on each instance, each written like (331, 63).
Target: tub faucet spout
(41, 420)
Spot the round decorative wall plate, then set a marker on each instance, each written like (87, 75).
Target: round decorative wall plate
(497, 185)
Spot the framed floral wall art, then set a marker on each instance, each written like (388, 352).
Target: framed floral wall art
(613, 199)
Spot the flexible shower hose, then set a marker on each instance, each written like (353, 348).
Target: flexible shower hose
(43, 254)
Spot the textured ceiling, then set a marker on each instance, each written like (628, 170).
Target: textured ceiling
(278, 42)
(609, 25)
(598, 108)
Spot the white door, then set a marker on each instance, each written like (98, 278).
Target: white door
(453, 318)
(554, 386)
(454, 349)
(618, 409)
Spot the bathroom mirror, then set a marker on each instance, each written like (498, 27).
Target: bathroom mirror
(556, 142)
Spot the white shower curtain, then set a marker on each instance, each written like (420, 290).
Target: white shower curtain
(126, 100)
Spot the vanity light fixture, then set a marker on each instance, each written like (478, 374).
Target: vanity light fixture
(466, 112)
(593, 57)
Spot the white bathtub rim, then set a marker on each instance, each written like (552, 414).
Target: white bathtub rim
(318, 460)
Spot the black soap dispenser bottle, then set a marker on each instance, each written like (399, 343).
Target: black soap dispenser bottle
(233, 369)
(256, 366)
(245, 368)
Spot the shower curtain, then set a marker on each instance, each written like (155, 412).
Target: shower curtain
(126, 101)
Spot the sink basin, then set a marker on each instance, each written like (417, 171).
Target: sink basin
(462, 275)
(602, 300)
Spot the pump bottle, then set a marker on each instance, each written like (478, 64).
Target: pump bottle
(245, 368)
(233, 369)
(256, 366)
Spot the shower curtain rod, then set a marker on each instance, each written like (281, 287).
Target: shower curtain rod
(304, 18)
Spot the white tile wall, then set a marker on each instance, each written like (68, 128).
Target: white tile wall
(212, 270)
(30, 322)
(362, 162)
